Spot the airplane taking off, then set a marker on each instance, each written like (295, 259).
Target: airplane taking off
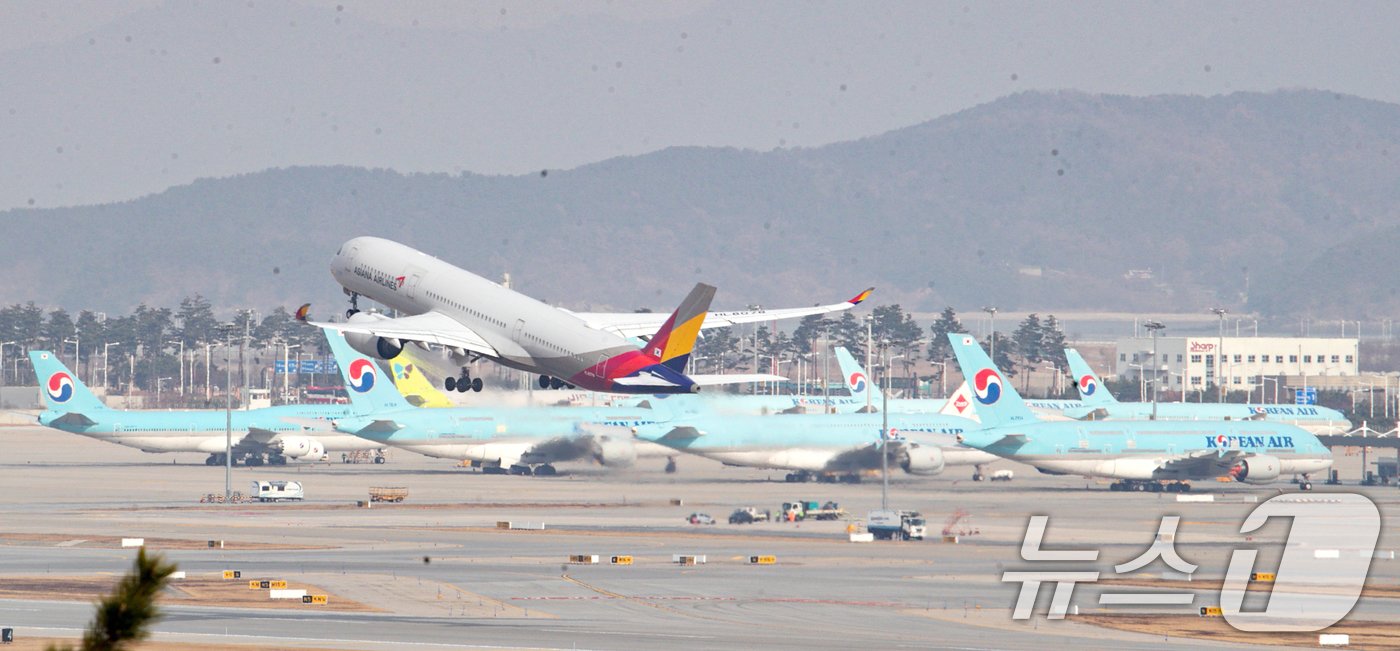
(1140, 454)
(1100, 404)
(269, 435)
(519, 440)
(475, 318)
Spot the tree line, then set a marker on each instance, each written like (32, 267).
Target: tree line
(137, 350)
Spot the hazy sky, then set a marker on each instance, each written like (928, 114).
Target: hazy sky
(102, 101)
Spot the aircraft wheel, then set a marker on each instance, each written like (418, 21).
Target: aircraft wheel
(556, 383)
(476, 384)
(211, 460)
(493, 470)
(379, 459)
(670, 465)
(450, 383)
(544, 381)
(1307, 485)
(546, 471)
(523, 471)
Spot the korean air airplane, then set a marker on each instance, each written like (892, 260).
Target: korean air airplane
(1100, 404)
(268, 435)
(820, 446)
(521, 441)
(475, 318)
(1140, 454)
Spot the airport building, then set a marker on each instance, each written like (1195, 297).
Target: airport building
(1194, 363)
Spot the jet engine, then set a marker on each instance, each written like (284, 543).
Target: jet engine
(922, 460)
(377, 347)
(297, 447)
(1258, 469)
(614, 452)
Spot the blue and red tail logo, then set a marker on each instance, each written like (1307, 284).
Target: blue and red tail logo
(856, 382)
(362, 375)
(60, 387)
(986, 386)
(1087, 385)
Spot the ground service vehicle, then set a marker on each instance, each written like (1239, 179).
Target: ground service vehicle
(748, 515)
(899, 525)
(700, 518)
(277, 491)
(387, 493)
(808, 510)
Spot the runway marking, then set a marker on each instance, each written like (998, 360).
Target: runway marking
(323, 640)
(603, 596)
(623, 633)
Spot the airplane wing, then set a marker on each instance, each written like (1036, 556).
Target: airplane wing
(1204, 463)
(643, 324)
(431, 328)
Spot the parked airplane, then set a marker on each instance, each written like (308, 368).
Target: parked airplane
(1100, 404)
(521, 441)
(1140, 454)
(259, 435)
(475, 318)
(821, 446)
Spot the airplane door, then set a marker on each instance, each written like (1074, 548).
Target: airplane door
(519, 332)
(410, 284)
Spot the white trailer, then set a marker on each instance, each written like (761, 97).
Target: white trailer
(277, 490)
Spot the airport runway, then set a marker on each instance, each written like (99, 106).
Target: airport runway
(65, 501)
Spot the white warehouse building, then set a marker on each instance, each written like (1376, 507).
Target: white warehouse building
(1194, 363)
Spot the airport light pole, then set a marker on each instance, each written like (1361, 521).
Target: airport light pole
(1220, 352)
(869, 323)
(2, 360)
(993, 311)
(77, 348)
(105, 368)
(884, 437)
(181, 342)
(287, 370)
(228, 413)
(1153, 327)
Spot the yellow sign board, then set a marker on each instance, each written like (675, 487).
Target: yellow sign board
(277, 585)
(253, 585)
(1262, 577)
(233, 574)
(763, 560)
(622, 560)
(1210, 611)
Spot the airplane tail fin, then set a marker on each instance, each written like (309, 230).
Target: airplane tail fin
(412, 381)
(961, 404)
(997, 402)
(856, 379)
(1091, 389)
(61, 389)
(369, 388)
(672, 344)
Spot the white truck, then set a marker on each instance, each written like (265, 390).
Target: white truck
(898, 525)
(277, 491)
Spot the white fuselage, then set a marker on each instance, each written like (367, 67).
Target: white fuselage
(528, 334)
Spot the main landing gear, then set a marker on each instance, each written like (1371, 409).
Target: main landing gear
(1305, 483)
(1140, 486)
(463, 384)
(354, 304)
(547, 382)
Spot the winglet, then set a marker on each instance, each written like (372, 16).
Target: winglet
(303, 313)
(673, 342)
(860, 298)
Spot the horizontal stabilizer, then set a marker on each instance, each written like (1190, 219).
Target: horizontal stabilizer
(1011, 441)
(735, 378)
(683, 432)
(382, 426)
(74, 419)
